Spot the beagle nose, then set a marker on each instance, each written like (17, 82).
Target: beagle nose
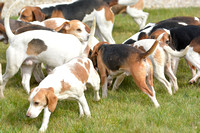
(28, 114)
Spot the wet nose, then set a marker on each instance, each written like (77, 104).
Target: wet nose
(28, 114)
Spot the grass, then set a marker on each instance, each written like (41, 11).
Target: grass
(125, 110)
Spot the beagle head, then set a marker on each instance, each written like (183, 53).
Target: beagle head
(75, 27)
(166, 37)
(29, 14)
(95, 52)
(39, 99)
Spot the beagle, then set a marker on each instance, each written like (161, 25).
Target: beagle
(118, 59)
(37, 46)
(135, 11)
(83, 10)
(67, 81)
(181, 37)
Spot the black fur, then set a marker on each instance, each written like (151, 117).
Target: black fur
(76, 10)
(129, 41)
(115, 55)
(182, 36)
(166, 25)
(185, 19)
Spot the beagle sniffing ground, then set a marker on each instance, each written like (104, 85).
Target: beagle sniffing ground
(37, 46)
(67, 81)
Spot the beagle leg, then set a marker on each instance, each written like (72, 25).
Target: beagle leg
(118, 81)
(143, 76)
(94, 80)
(174, 62)
(45, 120)
(139, 16)
(12, 67)
(84, 105)
(105, 26)
(194, 59)
(38, 73)
(26, 72)
(192, 68)
(81, 114)
(172, 77)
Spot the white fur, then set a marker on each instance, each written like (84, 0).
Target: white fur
(139, 16)
(60, 49)
(76, 91)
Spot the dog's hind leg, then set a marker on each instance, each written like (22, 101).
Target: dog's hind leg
(105, 24)
(142, 74)
(94, 81)
(118, 81)
(12, 67)
(26, 72)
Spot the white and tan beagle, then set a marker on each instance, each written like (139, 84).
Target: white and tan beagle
(38, 46)
(67, 81)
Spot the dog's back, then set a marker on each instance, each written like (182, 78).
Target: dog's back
(182, 36)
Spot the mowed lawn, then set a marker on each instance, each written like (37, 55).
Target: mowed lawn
(126, 110)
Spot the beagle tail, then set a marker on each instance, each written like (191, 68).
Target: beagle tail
(176, 53)
(150, 51)
(89, 44)
(7, 19)
(1, 80)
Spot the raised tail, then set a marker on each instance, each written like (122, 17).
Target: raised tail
(150, 51)
(176, 53)
(7, 19)
(89, 44)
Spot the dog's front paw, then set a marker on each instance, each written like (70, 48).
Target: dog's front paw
(43, 129)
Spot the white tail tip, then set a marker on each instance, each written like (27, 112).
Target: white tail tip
(160, 36)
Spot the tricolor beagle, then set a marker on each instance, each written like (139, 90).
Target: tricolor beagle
(83, 10)
(118, 59)
(67, 81)
(38, 46)
(181, 37)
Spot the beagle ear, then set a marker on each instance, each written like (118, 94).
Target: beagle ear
(39, 15)
(65, 26)
(1, 7)
(52, 99)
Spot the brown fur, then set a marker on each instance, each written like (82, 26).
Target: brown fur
(31, 14)
(65, 87)
(46, 96)
(50, 24)
(136, 64)
(195, 43)
(1, 8)
(35, 47)
(108, 13)
(139, 5)
(57, 14)
(80, 73)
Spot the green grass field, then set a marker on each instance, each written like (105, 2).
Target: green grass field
(125, 110)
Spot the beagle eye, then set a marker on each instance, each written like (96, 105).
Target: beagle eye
(152, 37)
(36, 103)
(23, 16)
(167, 41)
(79, 30)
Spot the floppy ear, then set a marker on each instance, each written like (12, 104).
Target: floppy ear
(52, 99)
(65, 26)
(1, 7)
(39, 15)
